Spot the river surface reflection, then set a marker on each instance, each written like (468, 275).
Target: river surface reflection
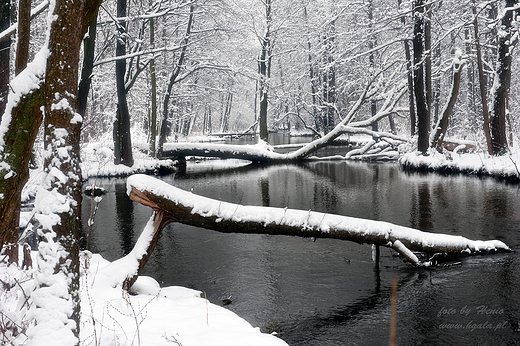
(328, 292)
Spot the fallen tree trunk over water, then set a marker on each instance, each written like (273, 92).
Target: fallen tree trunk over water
(172, 204)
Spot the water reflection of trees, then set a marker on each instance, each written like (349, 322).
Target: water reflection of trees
(372, 307)
(125, 218)
(421, 208)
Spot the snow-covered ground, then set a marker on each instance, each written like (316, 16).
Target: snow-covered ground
(149, 315)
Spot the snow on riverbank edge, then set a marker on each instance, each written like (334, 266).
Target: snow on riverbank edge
(149, 315)
(157, 316)
(502, 167)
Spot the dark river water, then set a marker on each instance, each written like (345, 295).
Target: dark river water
(329, 292)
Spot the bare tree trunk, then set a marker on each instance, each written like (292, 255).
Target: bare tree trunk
(5, 47)
(423, 119)
(502, 83)
(470, 98)
(264, 69)
(411, 98)
(173, 78)
(227, 100)
(437, 88)
(89, 45)
(24, 35)
(26, 119)
(123, 142)
(428, 58)
(482, 81)
(442, 123)
(9, 225)
(62, 138)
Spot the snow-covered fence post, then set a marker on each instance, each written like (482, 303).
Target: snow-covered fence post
(172, 204)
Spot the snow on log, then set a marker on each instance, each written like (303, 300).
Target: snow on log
(172, 204)
(260, 152)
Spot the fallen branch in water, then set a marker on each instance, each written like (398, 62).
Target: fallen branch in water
(172, 204)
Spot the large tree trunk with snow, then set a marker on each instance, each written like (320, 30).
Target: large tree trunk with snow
(62, 211)
(57, 92)
(19, 144)
(482, 81)
(26, 118)
(175, 205)
(502, 82)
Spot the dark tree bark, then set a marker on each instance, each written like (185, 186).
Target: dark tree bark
(89, 45)
(57, 120)
(24, 34)
(22, 142)
(411, 98)
(482, 81)
(173, 79)
(503, 81)
(264, 69)
(423, 119)
(19, 139)
(428, 58)
(122, 136)
(227, 101)
(5, 22)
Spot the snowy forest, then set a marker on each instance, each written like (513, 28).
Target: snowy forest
(92, 88)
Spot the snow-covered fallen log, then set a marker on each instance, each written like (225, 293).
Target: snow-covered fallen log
(172, 204)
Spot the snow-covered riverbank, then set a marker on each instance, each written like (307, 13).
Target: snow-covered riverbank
(477, 163)
(149, 315)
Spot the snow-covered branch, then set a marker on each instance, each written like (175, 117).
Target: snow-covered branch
(172, 204)
(34, 12)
